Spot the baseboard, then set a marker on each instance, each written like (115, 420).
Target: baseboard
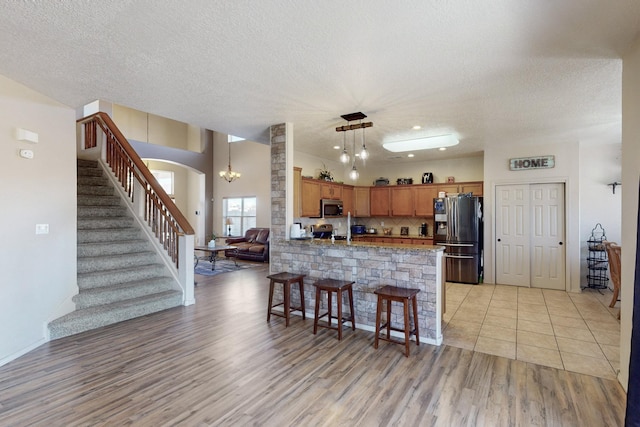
(22, 352)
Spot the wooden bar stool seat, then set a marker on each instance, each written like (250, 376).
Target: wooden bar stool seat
(404, 296)
(287, 279)
(330, 286)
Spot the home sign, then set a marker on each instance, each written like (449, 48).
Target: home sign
(535, 162)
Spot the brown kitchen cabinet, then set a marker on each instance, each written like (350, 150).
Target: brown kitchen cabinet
(379, 201)
(297, 192)
(462, 187)
(423, 199)
(310, 197)
(361, 202)
(471, 187)
(401, 199)
(347, 200)
(421, 242)
(330, 190)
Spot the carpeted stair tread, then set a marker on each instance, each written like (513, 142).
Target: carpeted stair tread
(105, 235)
(97, 200)
(116, 262)
(112, 248)
(86, 163)
(85, 171)
(95, 317)
(103, 222)
(99, 190)
(97, 279)
(120, 292)
(92, 211)
(90, 181)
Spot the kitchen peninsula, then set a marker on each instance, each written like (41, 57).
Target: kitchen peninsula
(371, 266)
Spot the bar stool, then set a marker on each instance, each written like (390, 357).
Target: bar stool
(337, 286)
(404, 295)
(287, 279)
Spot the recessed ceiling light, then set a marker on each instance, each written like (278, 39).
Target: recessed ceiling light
(336, 147)
(421, 143)
(410, 155)
(442, 148)
(416, 127)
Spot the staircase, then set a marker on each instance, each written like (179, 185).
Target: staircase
(120, 276)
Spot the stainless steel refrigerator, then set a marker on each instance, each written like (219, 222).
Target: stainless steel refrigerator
(461, 217)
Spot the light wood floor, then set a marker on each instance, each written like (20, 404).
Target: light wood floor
(220, 363)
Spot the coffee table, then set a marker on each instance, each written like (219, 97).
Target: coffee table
(213, 254)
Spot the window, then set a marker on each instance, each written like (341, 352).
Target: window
(165, 179)
(238, 215)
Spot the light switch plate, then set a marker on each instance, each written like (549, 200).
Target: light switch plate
(42, 228)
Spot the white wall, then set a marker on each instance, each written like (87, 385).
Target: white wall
(630, 176)
(566, 170)
(252, 160)
(600, 164)
(37, 272)
(146, 127)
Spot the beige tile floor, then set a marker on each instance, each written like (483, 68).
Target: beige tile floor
(576, 332)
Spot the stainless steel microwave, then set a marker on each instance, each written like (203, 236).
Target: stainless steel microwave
(330, 208)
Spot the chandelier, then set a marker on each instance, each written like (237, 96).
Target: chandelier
(363, 153)
(229, 174)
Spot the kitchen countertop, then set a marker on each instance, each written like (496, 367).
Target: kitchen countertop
(327, 242)
(395, 236)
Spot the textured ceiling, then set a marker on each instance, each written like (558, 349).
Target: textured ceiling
(491, 72)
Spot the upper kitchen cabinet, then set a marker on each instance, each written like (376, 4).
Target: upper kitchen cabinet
(347, 200)
(401, 200)
(330, 190)
(462, 187)
(310, 196)
(471, 187)
(423, 196)
(361, 201)
(379, 201)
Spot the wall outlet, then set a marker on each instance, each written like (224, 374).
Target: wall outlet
(42, 228)
(381, 223)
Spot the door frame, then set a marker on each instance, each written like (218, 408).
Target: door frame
(572, 228)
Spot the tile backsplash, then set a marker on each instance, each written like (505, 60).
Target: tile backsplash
(395, 223)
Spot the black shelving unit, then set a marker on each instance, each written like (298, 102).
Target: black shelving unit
(597, 261)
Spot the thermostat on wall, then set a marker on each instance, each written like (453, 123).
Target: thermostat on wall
(26, 154)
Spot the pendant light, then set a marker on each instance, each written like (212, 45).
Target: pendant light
(229, 175)
(363, 154)
(354, 175)
(344, 157)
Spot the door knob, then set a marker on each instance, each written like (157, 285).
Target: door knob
(560, 243)
(499, 240)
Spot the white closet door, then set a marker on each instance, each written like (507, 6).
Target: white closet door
(547, 236)
(530, 246)
(512, 235)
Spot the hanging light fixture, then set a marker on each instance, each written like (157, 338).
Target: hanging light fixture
(229, 174)
(363, 153)
(354, 172)
(344, 157)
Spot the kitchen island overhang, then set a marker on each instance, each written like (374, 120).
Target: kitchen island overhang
(370, 266)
